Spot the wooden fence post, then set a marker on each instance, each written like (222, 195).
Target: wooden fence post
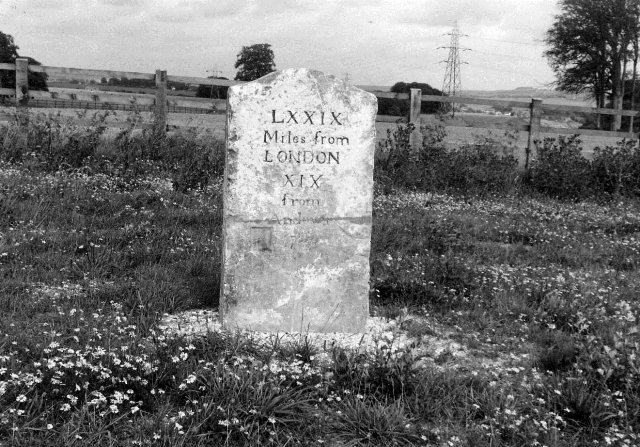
(535, 116)
(22, 80)
(160, 110)
(22, 90)
(415, 140)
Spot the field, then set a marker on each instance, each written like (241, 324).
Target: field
(503, 320)
(465, 130)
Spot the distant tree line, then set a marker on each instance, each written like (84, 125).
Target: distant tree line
(140, 83)
(212, 91)
(400, 107)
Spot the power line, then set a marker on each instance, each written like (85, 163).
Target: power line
(520, 57)
(531, 44)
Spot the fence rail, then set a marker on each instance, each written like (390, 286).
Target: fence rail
(97, 105)
(161, 103)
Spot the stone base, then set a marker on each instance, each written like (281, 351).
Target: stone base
(305, 277)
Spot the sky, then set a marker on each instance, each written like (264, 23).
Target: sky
(372, 42)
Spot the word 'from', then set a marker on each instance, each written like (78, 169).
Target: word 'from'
(287, 200)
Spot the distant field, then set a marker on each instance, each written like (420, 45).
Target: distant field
(214, 124)
(67, 86)
(461, 132)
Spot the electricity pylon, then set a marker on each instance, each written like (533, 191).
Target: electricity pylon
(452, 83)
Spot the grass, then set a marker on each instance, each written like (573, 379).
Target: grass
(520, 317)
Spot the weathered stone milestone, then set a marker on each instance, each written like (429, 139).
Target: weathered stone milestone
(297, 204)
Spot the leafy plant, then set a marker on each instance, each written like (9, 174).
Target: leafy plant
(560, 170)
(616, 170)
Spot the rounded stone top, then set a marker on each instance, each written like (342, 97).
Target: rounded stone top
(315, 80)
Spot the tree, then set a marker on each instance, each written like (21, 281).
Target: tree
(396, 107)
(254, 62)
(590, 44)
(212, 91)
(8, 55)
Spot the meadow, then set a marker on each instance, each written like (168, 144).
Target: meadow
(511, 315)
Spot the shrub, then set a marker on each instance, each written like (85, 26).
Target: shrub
(488, 165)
(616, 170)
(192, 161)
(560, 170)
(52, 144)
(397, 163)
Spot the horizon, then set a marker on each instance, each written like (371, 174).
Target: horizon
(378, 44)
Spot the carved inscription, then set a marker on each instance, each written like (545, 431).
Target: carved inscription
(300, 219)
(306, 147)
(290, 116)
(310, 181)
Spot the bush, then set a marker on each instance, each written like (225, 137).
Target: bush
(616, 170)
(193, 161)
(560, 170)
(479, 168)
(397, 163)
(488, 166)
(52, 144)
(56, 145)
(188, 160)
(485, 166)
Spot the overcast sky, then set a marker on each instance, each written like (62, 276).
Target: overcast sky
(377, 42)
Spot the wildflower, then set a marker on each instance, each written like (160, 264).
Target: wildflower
(65, 407)
(224, 423)
(21, 398)
(49, 426)
(272, 420)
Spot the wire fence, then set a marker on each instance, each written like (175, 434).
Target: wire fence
(98, 105)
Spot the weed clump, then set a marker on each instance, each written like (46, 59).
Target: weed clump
(487, 166)
(52, 144)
